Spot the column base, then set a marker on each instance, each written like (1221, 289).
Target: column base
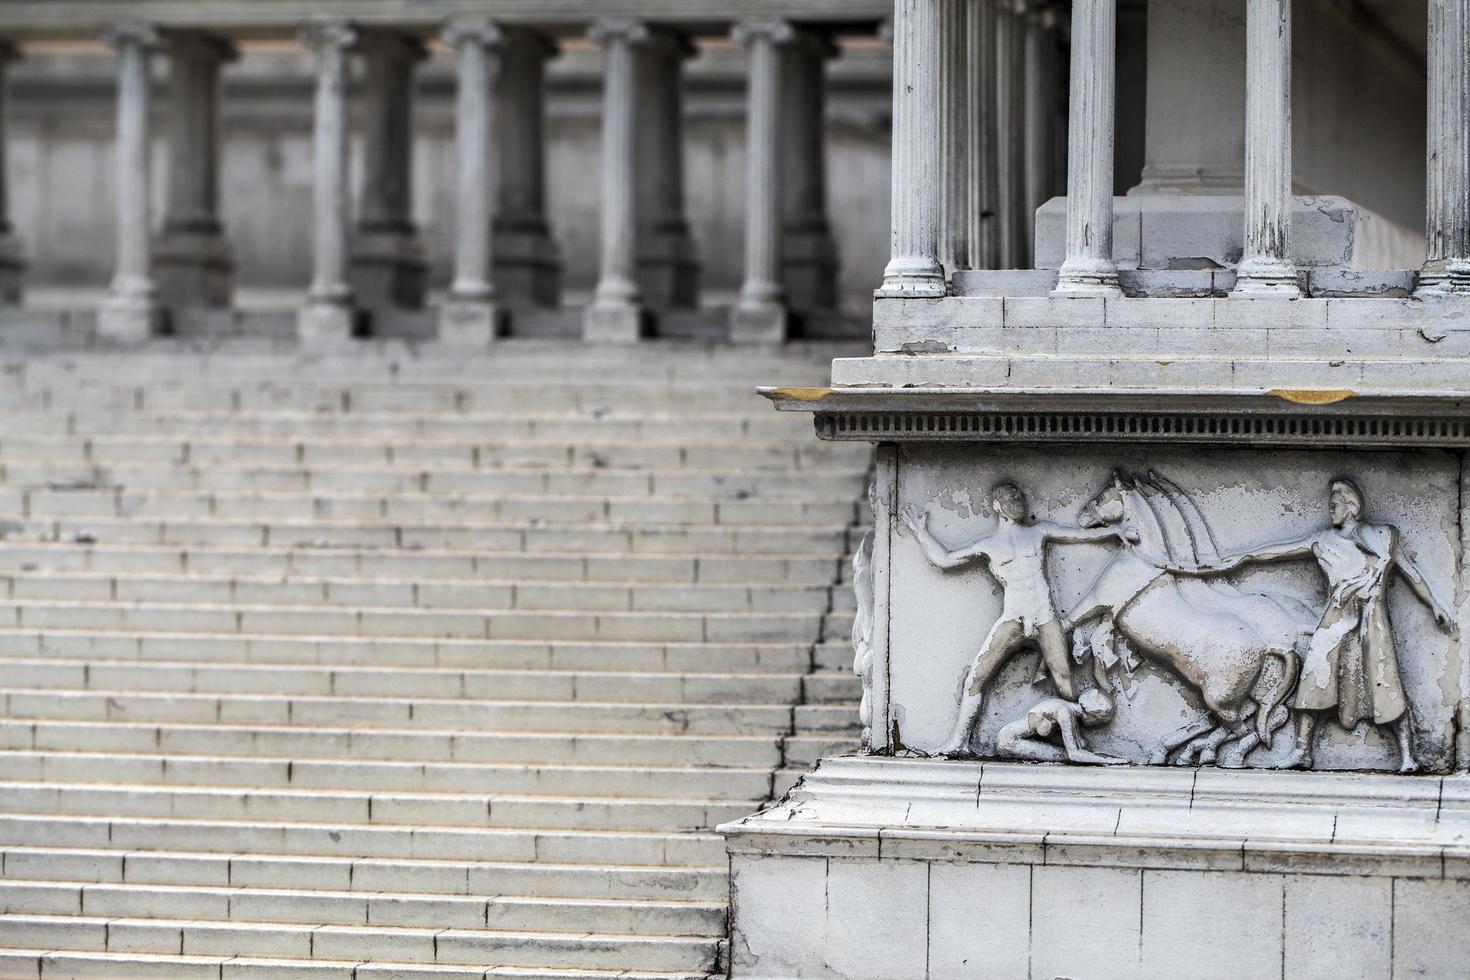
(128, 318)
(325, 324)
(912, 278)
(469, 323)
(1089, 277)
(614, 323)
(1265, 277)
(758, 322)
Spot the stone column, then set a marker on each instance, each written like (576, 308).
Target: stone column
(984, 134)
(808, 250)
(1010, 88)
(12, 257)
(617, 314)
(469, 316)
(956, 249)
(913, 267)
(1265, 269)
(760, 312)
(130, 312)
(527, 261)
(389, 270)
(328, 317)
(1447, 173)
(668, 266)
(192, 258)
(1040, 98)
(1088, 268)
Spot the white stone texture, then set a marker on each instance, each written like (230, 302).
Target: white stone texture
(956, 248)
(1089, 268)
(1447, 176)
(130, 313)
(328, 315)
(918, 182)
(1265, 266)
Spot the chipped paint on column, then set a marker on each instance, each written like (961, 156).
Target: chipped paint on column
(1447, 151)
(914, 268)
(1265, 268)
(983, 132)
(885, 503)
(1089, 268)
(955, 243)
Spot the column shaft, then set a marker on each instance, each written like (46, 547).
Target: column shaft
(808, 250)
(469, 315)
(1011, 115)
(389, 271)
(527, 261)
(668, 266)
(917, 181)
(1039, 99)
(983, 130)
(760, 310)
(956, 246)
(192, 258)
(1447, 170)
(130, 311)
(1265, 269)
(1088, 267)
(328, 316)
(12, 258)
(617, 314)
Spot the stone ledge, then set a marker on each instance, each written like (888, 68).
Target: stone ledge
(1251, 820)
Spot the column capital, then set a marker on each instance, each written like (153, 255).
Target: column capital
(327, 33)
(626, 29)
(131, 34)
(776, 31)
(484, 31)
(199, 46)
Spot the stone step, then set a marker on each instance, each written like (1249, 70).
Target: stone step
(444, 593)
(802, 751)
(835, 654)
(42, 504)
(213, 772)
(674, 717)
(445, 653)
(485, 879)
(624, 482)
(429, 841)
(831, 686)
(318, 905)
(502, 537)
(618, 687)
(764, 571)
(508, 624)
(401, 746)
(481, 947)
(825, 718)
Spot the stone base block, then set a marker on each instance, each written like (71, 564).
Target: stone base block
(469, 324)
(193, 270)
(325, 325)
(527, 265)
(758, 323)
(881, 868)
(128, 319)
(388, 270)
(614, 323)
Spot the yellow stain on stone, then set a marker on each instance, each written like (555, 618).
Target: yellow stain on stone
(1313, 396)
(804, 394)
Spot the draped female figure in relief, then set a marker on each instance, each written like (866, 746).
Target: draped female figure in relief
(1351, 664)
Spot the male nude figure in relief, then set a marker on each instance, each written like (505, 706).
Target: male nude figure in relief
(1016, 553)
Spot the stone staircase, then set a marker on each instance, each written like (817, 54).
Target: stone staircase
(397, 664)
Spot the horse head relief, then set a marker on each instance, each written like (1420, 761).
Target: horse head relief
(1260, 666)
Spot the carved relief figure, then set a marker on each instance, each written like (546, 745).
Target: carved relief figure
(1029, 737)
(1351, 664)
(862, 621)
(1239, 649)
(1015, 551)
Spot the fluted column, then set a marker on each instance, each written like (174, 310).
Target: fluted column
(668, 265)
(1010, 85)
(192, 260)
(527, 261)
(389, 270)
(983, 130)
(808, 250)
(328, 315)
(1265, 269)
(1447, 172)
(1088, 268)
(12, 257)
(1039, 99)
(470, 316)
(956, 247)
(917, 179)
(760, 310)
(131, 312)
(617, 314)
